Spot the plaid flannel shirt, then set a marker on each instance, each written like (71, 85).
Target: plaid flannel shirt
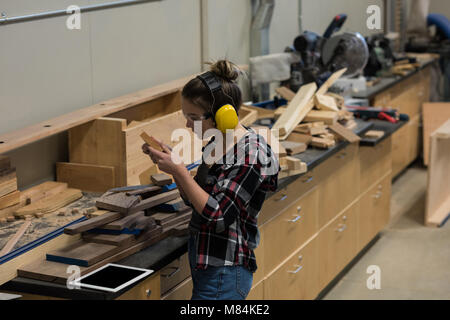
(227, 231)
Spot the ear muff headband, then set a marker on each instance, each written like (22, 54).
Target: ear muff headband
(226, 116)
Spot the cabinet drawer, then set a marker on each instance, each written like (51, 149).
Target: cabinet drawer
(257, 292)
(296, 278)
(182, 291)
(339, 183)
(415, 140)
(400, 149)
(374, 162)
(174, 273)
(149, 289)
(289, 230)
(337, 244)
(374, 211)
(286, 196)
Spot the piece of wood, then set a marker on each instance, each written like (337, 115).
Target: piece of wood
(293, 163)
(155, 200)
(12, 242)
(293, 147)
(247, 116)
(287, 173)
(43, 190)
(83, 253)
(263, 113)
(296, 110)
(180, 218)
(161, 179)
(311, 128)
(86, 177)
(172, 206)
(148, 190)
(125, 222)
(374, 134)
(278, 112)
(340, 102)
(151, 141)
(92, 223)
(10, 199)
(299, 137)
(285, 93)
(322, 143)
(51, 203)
(434, 114)
(111, 239)
(344, 133)
(163, 217)
(324, 102)
(8, 186)
(117, 201)
(437, 207)
(328, 117)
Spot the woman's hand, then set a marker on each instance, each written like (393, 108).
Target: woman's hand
(165, 160)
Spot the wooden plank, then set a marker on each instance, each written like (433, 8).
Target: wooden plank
(296, 110)
(10, 199)
(152, 189)
(293, 163)
(311, 128)
(86, 177)
(322, 143)
(324, 102)
(247, 116)
(125, 222)
(83, 253)
(43, 190)
(344, 133)
(155, 200)
(438, 186)
(92, 223)
(285, 93)
(374, 134)
(172, 206)
(328, 117)
(111, 239)
(434, 115)
(51, 203)
(117, 201)
(8, 186)
(263, 113)
(151, 141)
(299, 137)
(161, 179)
(181, 218)
(163, 217)
(293, 147)
(12, 242)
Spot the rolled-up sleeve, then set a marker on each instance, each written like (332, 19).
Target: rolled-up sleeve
(230, 196)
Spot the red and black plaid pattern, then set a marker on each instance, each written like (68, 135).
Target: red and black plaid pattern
(227, 231)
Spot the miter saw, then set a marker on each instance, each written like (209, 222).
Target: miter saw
(323, 55)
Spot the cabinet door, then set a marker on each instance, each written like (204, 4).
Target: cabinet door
(414, 139)
(182, 291)
(339, 183)
(149, 289)
(174, 273)
(400, 149)
(374, 211)
(337, 244)
(374, 163)
(297, 278)
(257, 292)
(289, 230)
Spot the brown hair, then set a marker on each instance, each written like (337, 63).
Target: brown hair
(227, 73)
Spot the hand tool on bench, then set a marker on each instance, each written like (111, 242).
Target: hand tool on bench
(377, 113)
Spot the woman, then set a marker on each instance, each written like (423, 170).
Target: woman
(226, 196)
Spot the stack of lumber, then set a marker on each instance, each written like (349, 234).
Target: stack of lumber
(113, 235)
(9, 195)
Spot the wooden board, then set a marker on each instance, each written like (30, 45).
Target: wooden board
(328, 117)
(151, 141)
(262, 113)
(374, 134)
(92, 223)
(51, 203)
(344, 133)
(148, 190)
(438, 186)
(125, 222)
(117, 201)
(293, 163)
(8, 186)
(180, 218)
(12, 242)
(163, 217)
(155, 200)
(161, 179)
(434, 115)
(43, 190)
(293, 147)
(83, 253)
(10, 199)
(247, 116)
(322, 143)
(324, 102)
(311, 128)
(299, 137)
(111, 239)
(285, 93)
(296, 110)
(86, 177)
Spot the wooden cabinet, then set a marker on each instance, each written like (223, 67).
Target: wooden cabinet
(297, 277)
(257, 291)
(337, 244)
(374, 162)
(182, 291)
(260, 257)
(149, 289)
(374, 211)
(339, 183)
(174, 273)
(290, 229)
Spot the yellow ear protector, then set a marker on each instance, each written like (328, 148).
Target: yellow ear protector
(225, 117)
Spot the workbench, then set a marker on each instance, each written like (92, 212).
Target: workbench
(406, 94)
(333, 229)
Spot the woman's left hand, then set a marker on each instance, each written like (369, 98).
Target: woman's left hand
(165, 160)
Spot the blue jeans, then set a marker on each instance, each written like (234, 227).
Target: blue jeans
(218, 283)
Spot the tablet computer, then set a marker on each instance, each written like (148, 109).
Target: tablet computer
(111, 277)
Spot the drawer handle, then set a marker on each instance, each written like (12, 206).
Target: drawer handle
(297, 270)
(341, 229)
(170, 275)
(283, 197)
(148, 292)
(295, 219)
(308, 180)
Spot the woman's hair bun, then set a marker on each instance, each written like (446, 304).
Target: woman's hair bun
(225, 69)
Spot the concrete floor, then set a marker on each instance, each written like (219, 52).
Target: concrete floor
(414, 260)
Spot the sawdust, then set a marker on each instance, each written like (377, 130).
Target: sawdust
(50, 222)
